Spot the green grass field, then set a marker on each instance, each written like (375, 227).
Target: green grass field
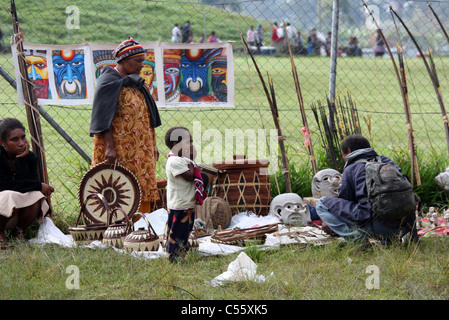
(330, 272)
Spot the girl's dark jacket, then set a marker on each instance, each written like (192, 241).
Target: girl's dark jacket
(24, 178)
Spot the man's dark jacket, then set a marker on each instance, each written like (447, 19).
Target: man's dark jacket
(352, 203)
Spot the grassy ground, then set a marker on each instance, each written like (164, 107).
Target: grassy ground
(331, 272)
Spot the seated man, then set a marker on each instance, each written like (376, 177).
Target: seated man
(350, 215)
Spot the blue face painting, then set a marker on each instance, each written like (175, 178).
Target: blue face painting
(70, 78)
(194, 75)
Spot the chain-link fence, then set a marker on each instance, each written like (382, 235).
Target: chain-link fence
(370, 82)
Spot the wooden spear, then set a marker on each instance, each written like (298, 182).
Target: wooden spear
(435, 83)
(274, 113)
(30, 99)
(402, 85)
(301, 104)
(408, 116)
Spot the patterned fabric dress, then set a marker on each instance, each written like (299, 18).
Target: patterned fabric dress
(134, 142)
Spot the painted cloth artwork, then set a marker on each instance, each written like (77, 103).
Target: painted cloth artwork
(62, 74)
(201, 74)
(70, 73)
(37, 70)
(135, 143)
(190, 75)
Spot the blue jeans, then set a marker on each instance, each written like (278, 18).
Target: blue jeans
(352, 233)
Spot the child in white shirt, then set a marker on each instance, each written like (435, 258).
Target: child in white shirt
(182, 174)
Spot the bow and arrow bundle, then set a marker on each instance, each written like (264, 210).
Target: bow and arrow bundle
(431, 70)
(336, 122)
(275, 113)
(401, 77)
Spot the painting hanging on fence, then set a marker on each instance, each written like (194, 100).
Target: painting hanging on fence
(198, 74)
(61, 74)
(102, 56)
(191, 75)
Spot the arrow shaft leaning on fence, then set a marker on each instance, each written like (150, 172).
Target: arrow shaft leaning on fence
(432, 77)
(301, 103)
(273, 109)
(30, 99)
(412, 146)
(403, 89)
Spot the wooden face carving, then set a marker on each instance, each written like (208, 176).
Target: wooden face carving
(290, 209)
(443, 179)
(325, 183)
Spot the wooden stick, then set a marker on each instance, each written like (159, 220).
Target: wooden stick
(408, 115)
(439, 22)
(402, 86)
(281, 138)
(301, 103)
(30, 99)
(435, 83)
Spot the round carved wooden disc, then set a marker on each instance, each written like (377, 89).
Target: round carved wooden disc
(116, 183)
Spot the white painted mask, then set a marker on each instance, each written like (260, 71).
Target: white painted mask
(443, 179)
(290, 209)
(325, 183)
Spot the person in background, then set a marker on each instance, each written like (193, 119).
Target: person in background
(300, 49)
(176, 33)
(251, 36)
(379, 49)
(186, 31)
(328, 44)
(292, 34)
(259, 37)
(313, 44)
(277, 40)
(213, 38)
(354, 47)
(23, 196)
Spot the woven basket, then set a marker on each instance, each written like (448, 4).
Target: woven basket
(116, 232)
(88, 232)
(244, 184)
(141, 239)
(216, 212)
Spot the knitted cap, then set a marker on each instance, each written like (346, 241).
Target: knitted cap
(128, 48)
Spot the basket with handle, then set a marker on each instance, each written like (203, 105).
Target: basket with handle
(88, 232)
(141, 239)
(116, 232)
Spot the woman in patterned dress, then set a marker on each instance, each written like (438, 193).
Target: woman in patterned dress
(124, 118)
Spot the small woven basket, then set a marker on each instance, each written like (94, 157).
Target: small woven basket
(116, 232)
(141, 239)
(88, 232)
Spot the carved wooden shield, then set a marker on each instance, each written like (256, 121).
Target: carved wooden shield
(116, 183)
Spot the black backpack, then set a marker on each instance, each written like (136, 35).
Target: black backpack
(390, 192)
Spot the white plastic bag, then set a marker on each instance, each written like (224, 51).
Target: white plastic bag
(241, 269)
(49, 233)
